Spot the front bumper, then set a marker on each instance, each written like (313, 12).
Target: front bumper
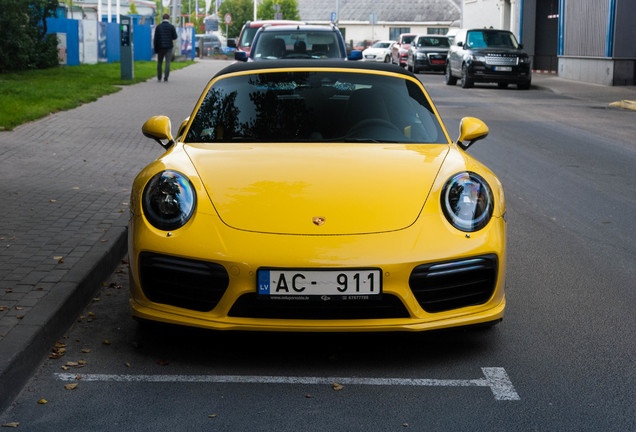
(230, 303)
(517, 74)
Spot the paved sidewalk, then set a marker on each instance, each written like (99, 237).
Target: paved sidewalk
(65, 181)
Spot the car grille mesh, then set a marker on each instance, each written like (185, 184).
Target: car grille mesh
(450, 285)
(190, 284)
(496, 60)
(254, 306)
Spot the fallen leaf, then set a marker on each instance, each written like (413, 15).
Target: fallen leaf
(72, 364)
(20, 317)
(52, 201)
(65, 368)
(58, 257)
(106, 342)
(405, 424)
(308, 396)
(82, 362)
(61, 261)
(11, 425)
(19, 308)
(43, 401)
(337, 387)
(3, 308)
(85, 350)
(213, 415)
(127, 364)
(71, 386)
(96, 299)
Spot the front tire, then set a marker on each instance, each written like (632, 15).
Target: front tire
(524, 85)
(467, 82)
(449, 79)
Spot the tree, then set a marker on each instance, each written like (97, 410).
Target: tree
(24, 43)
(289, 9)
(132, 10)
(241, 11)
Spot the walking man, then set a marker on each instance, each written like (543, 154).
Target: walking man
(165, 33)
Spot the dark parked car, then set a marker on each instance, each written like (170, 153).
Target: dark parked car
(207, 44)
(298, 42)
(486, 55)
(427, 53)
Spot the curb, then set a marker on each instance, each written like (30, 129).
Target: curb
(28, 343)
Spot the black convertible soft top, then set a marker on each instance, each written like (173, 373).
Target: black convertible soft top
(279, 64)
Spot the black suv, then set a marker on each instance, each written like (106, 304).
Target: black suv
(486, 55)
(427, 53)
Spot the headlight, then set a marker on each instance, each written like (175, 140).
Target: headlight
(467, 201)
(480, 59)
(168, 200)
(420, 56)
(524, 60)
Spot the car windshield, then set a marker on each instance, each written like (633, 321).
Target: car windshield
(381, 45)
(248, 36)
(408, 39)
(491, 39)
(315, 106)
(436, 42)
(296, 44)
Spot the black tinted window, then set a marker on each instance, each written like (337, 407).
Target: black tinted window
(315, 107)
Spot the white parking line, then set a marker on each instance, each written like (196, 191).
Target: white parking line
(494, 377)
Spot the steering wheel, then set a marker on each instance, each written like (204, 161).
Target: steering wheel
(375, 128)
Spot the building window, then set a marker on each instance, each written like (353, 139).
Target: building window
(437, 30)
(395, 32)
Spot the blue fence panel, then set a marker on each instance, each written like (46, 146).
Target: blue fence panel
(112, 42)
(71, 28)
(142, 42)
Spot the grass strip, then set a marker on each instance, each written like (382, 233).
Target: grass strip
(29, 95)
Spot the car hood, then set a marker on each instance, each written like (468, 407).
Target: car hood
(318, 189)
(375, 51)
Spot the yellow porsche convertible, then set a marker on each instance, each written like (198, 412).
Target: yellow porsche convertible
(316, 196)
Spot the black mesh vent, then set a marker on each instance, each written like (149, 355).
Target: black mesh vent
(251, 306)
(190, 284)
(454, 284)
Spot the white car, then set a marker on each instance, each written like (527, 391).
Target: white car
(379, 52)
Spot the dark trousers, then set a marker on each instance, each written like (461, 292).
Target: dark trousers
(161, 54)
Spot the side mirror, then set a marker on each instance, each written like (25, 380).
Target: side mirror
(471, 129)
(231, 43)
(520, 46)
(355, 55)
(460, 44)
(240, 56)
(158, 128)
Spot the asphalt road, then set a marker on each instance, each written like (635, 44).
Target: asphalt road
(563, 359)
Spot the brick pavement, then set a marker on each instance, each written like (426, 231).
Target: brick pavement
(66, 181)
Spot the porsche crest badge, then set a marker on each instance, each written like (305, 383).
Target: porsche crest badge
(318, 220)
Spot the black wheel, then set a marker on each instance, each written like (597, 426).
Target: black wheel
(467, 81)
(387, 59)
(449, 79)
(502, 85)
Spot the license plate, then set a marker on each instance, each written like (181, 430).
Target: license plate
(503, 68)
(347, 284)
(438, 61)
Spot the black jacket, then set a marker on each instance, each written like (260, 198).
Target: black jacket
(165, 33)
